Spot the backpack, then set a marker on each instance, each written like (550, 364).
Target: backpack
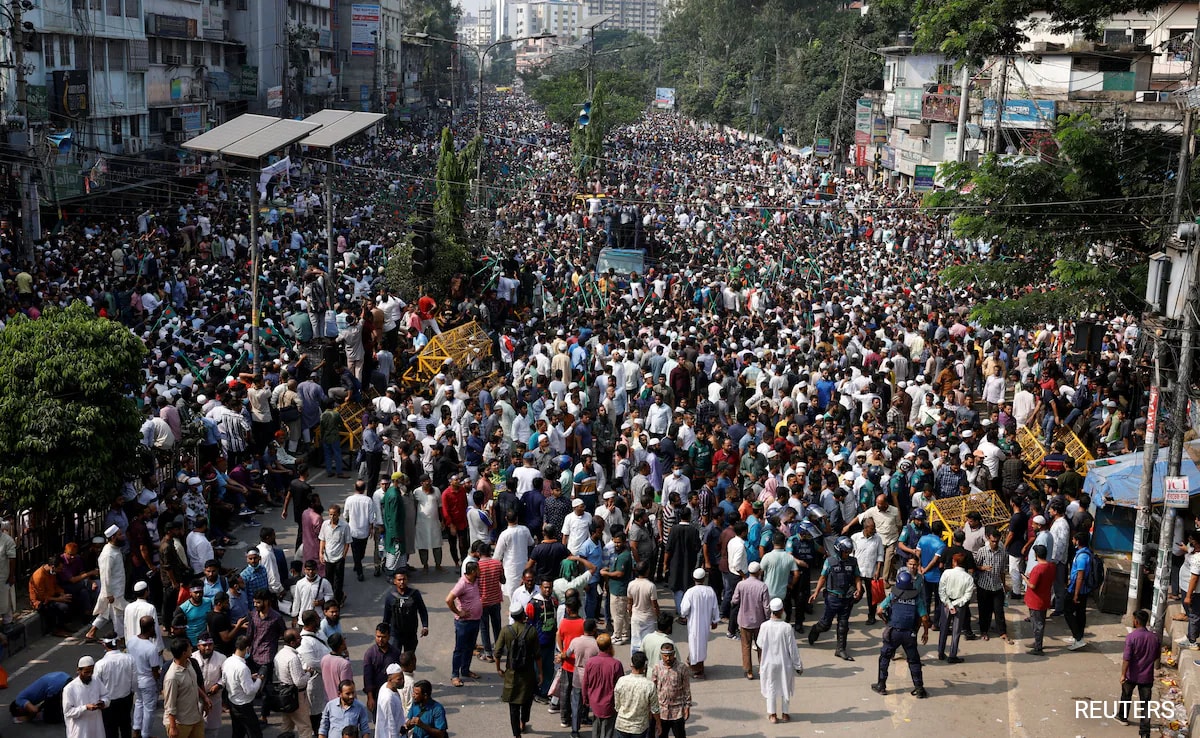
(519, 656)
(1093, 577)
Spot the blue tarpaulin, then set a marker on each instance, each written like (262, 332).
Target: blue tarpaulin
(1115, 481)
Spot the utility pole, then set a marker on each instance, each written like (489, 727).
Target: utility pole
(837, 126)
(964, 106)
(997, 134)
(30, 217)
(1141, 532)
(1183, 379)
(1185, 144)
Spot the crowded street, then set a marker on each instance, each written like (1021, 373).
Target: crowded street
(710, 472)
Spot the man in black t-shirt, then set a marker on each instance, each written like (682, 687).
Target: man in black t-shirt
(298, 494)
(547, 556)
(221, 627)
(1014, 544)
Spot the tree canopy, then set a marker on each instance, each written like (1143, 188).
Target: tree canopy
(70, 433)
(1070, 229)
(971, 30)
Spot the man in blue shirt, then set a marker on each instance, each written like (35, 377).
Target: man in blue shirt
(344, 711)
(43, 696)
(1075, 611)
(593, 550)
(426, 717)
(932, 551)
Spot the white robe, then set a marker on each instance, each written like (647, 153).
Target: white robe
(112, 582)
(389, 713)
(780, 659)
(134, 612)
(213, 674)
(512, 548)
(700, 607)
(82, 722)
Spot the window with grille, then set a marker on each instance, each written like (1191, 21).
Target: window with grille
(117, 55)
(48, 57)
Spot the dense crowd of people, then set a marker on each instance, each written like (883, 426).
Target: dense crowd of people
(759, 427)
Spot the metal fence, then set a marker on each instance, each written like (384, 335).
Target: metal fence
(40, 535)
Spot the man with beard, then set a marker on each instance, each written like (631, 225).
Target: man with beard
(83, 702)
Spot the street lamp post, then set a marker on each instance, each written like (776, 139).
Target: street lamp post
(481, 53)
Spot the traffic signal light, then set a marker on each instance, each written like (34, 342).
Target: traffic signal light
(422, 254)
(585, 114)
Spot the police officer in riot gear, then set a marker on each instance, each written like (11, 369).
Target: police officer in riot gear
(803, 547)
(903, 609)
(842, 585)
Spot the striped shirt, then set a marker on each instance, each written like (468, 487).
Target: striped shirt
(993, 579)
(489, 581)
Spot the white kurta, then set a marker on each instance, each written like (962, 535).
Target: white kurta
(429, 527)
(389, 713)
(512, 548)
(134, 612)
(112, 583)
(700, 607)
(780, 659)
(82, 722)
(213, 674)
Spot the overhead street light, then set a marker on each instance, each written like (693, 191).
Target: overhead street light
(481, 53)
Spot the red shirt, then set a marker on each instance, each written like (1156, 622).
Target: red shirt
(1037, 592)
(454, 507)
(489, 581)
(569, 629)
(599, 679)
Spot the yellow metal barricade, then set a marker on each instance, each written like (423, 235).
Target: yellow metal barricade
(952, 511)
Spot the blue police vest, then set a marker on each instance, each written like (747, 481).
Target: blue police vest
(902, 612)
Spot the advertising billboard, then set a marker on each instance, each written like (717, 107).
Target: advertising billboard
(364, 28)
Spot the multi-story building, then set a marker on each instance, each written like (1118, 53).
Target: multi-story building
(369, 39)
(192, 63)
(560, 17)
(1127, 76)
(85, 86)
(644, 16)
(291, 54)
(486, 25)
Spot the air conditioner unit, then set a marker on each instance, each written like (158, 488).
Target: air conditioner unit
(175, 124)
(172, 60)
(197, 61)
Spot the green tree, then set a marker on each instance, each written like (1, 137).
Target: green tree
(1071, 228)
(437, 18)
(587, 142)
(454, 172)
(971, 30)
(70, 434)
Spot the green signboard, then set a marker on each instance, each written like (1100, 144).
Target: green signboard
(36, 99)
(923, 175)
(248, 81)
(824, 147)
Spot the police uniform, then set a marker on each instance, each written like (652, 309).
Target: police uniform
(840, 575)
(802, 547)
(904, 610)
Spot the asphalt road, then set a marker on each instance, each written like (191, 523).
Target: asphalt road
(999, 691)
